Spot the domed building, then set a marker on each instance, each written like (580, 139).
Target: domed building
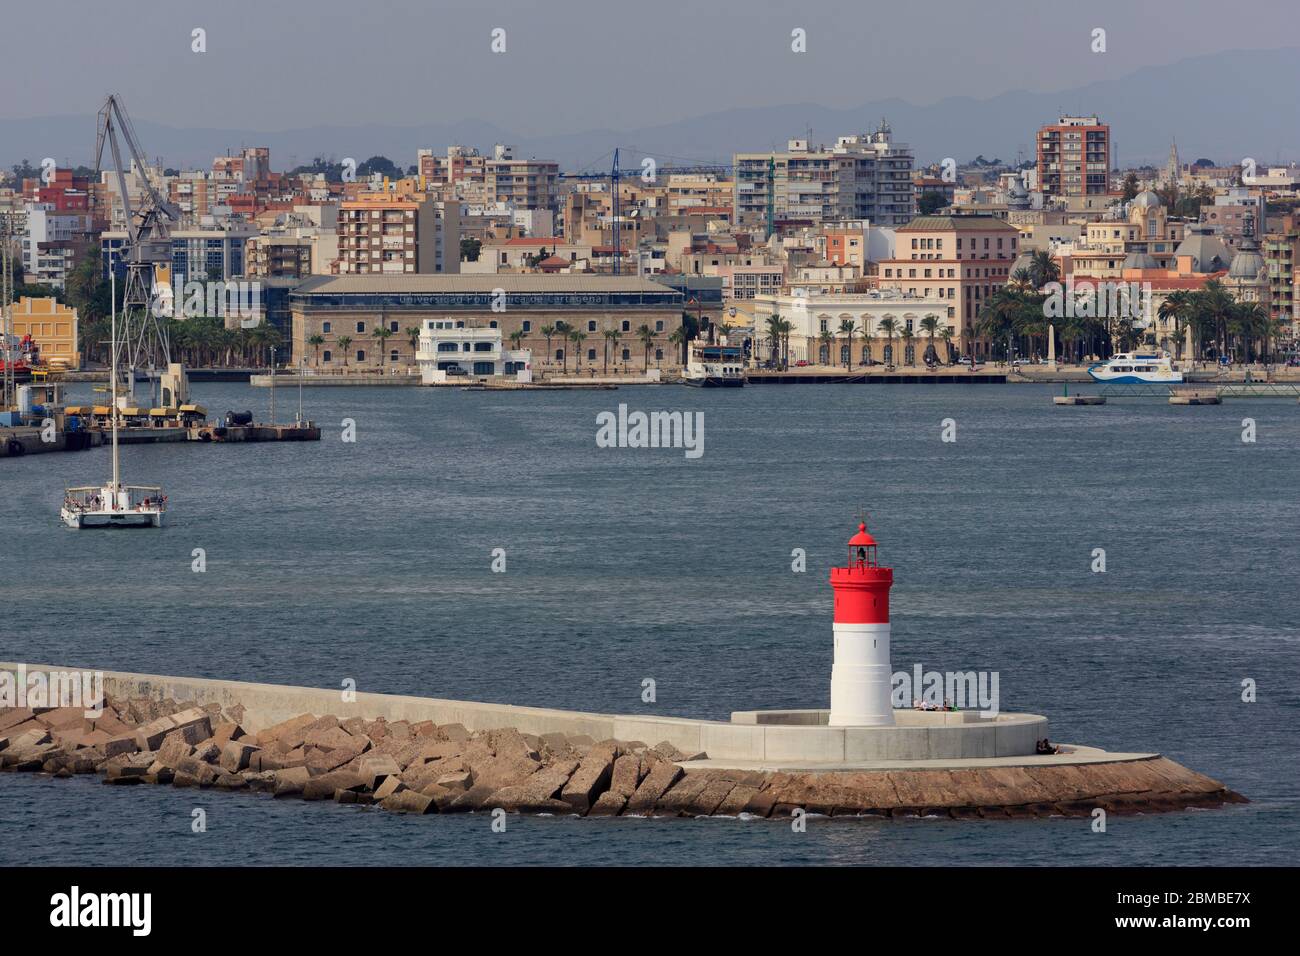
(1207, 252)
(1247, 277)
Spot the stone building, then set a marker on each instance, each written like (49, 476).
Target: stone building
(356, 307)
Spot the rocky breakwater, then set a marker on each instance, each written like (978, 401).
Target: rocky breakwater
(429, 768)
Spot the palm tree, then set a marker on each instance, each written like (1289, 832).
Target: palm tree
(562, 330)
(412, 333)
(847, 328)
(909, 353)
(785, 328)
(679, 338)
(382, 334)
(930, 325)
(1043, 269)
(611, 342)
(548, 331)
(889, 325)
(647, 337)
(517, 339)
(1177, 309)
(344, 342)
(946, 334)
(316, 341)
(774, 335)
(577, 337)
(826, 338)
(1001, 315)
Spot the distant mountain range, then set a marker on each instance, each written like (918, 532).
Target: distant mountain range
(1224, 106)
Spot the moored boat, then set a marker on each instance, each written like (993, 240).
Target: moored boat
(1136, 368)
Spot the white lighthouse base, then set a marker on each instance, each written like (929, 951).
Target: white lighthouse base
(860, 677)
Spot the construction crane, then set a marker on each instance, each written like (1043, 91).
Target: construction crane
(142, 338)
(613, 176)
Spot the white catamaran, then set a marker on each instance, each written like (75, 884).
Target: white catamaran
(114, 505)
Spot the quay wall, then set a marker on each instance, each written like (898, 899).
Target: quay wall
(917, 736)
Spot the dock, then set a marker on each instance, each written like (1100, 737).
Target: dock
(917, 377)
(1078, 399)
(27, 440)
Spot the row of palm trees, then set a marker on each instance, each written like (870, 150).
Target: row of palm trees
(1015, 320)
(197, 342)
(1219, 324)
(611, 336)
(381, 334)
(778, 334)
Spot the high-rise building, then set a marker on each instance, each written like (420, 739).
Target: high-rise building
(397, 234)
(866, 176)
(1074, 157)
(527, 183)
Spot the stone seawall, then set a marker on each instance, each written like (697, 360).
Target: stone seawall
(425, 767)
(750, 736)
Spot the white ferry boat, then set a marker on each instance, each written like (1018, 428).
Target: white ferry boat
(1134, 368)
(714, 366)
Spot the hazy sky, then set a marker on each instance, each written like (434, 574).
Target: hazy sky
(574, 65)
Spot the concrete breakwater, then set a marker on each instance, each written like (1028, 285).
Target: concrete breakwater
(423, 766)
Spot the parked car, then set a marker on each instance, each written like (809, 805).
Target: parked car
(455, 370)
(801, 363)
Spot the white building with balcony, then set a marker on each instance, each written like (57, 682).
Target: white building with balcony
(451, 350)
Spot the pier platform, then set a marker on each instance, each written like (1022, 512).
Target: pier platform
(428, 755)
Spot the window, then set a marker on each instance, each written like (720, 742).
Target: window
(527, 326)
(482, 346)
(591, 326)
(559, 355)
(627, 353)
(659, 325)
(326, 356)
(659, 353)
(361, 326)
(627, 326)
(464, 346)
(492, 324)
(392, 326)
(591, 355)
(447, 347)
(325, 327)
(484, 368)
(361, 355)
(392, 356)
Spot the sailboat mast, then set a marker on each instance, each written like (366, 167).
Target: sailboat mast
(113, 378)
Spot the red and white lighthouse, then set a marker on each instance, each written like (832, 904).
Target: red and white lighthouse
(860, 676)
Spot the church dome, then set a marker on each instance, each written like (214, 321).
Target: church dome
(1247, 265)
(1146, 198)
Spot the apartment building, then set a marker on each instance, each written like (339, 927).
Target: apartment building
(53, 242)
(861, 177)
(527, 183)
(1281, 251)
(1074, 157)
(957, 261)
(396, 234)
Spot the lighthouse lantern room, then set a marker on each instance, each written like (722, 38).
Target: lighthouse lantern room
(860, 675)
